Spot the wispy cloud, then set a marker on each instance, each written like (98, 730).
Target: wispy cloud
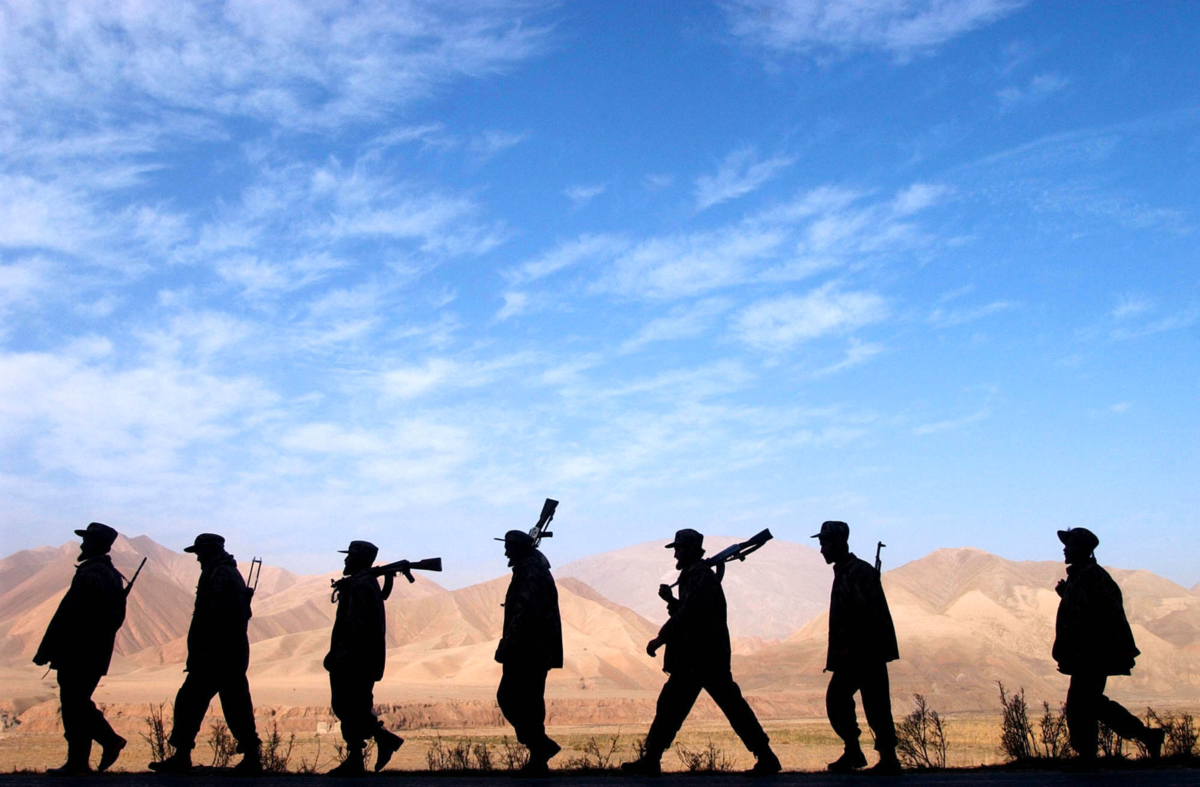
(857, 354)
(952, 424)
(944, 318)
(586, 248)
(777, 324)
(582, 195)
(1132, 306)
(681, 323)
(740, 173)
(1039, 88)
(818, 26)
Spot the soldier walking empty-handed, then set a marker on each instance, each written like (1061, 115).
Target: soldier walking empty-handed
(357, 651)
(218, 656)
(79, 645)
(862, 640)
(530, 646)
(698, 657)
(1093, 641)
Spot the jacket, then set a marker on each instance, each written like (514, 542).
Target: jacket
(532, 634)
(697, 632)
(82, 632)
(860, 624)
(359, 640)
(217, 639)
(1091, 632)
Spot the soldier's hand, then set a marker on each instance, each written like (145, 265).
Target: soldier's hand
(40, 660)
(652, 647)
(1059, 587)
(664, 592)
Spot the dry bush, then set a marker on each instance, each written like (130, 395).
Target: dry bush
(340, 751)
(1111, 744)
(1016, 733)
(1181, 733)
(921, 737)
(158, 736)
(513, 755)
(596, 755)
(460, 755)
(222, 743)
(311, 767)
(709, 759)
(276, 752)
(1054, 740)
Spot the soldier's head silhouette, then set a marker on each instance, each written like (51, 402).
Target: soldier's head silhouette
(834, 539)
(688, 546)
(207, 546)
(1078, 544)
(97, 538)
(517, 546)
(359, 555)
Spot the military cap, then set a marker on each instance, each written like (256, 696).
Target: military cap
(1079, 536)
(834, 529)
(519, 537)
(687, 538)
(206, 541)
(364, 548)
(102, 533)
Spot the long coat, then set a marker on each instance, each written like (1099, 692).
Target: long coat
(1092, 634)
(81, 634)
(860, 624)
(217, 639)
(697, 632)
(532, 625)
(359, 641)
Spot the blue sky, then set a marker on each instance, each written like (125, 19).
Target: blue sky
(301, 273)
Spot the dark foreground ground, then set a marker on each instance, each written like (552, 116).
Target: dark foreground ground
(1163, 776)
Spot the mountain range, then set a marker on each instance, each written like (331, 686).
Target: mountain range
(965, 620)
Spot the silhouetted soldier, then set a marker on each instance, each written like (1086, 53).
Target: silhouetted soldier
(357, 652)
(79, 644)
(862, 640)
(218, 656)
(1092, 641)
(698, 657)
(529, 648)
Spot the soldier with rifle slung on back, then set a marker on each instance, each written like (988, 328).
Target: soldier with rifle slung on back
(698, 657)
(862, 640)
(357, 652)
(531, 643)
(218, 657)
(79, 644)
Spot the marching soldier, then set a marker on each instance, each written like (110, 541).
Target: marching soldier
(218, 656)
(357, 651)
(530, 646)
(1093, 641)
(698, 657)
(79, 643)
(862, 640)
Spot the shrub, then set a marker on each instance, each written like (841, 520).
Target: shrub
(311, 767)
(221, 743)
(596, 755)
(1181, 733)
(276, 752)
(921, 737)
(708, 759)
(1055, 742)
(158, 736)
(1016, 733)
(461, 755)
(513, 755)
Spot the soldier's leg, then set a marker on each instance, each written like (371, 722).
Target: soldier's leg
(351, 698)
(840, 707)
(239, 712)
(1083, 700)
(675, 701)
(728, 696)
(522, 699)
(877, 705)
(79, 716)
(1118, 719)
(191, 703)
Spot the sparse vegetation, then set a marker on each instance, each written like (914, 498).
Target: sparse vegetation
(276, 752)
(921, 737)
(513, 755)
(1016, 733)
(1111, 744)
(307, 767)
(222, 743)
(340, 751)
(1055, 743)
(158, 736)
(708, 759)
(1181, 733)
(463, 755)
(597, 755)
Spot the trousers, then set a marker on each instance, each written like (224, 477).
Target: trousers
(522, 699)
(353, 699)
(1087, 706)
(82, 720)
(680, 693)
(872, 681)
(193, 699)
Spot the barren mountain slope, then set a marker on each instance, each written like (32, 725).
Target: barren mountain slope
(774, 592)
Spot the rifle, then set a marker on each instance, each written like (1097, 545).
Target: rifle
(732, 552)
(251, 577)
(129, 587)
(539, 531)
(879, 563)
(405, 567)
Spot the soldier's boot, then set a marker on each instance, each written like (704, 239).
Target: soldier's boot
(78, 754)
(1153, 740)
(539, 758)
(251, 764)
(647, 765)
(352, 766)
(387, 743)
(110, 750)
(178, 763)
(888, 764)
(767, 764)
(851, 760)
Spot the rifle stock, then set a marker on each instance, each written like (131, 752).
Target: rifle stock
(740, 550)
(539, 531)
(406, 567)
